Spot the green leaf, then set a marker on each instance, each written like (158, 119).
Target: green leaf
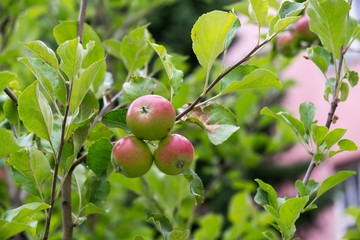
(239, 202)
(5, 78)
(301, 188)
(351, 234)
(218, 122)
(344, 145)
(352, 77)
(286, 15)
(72, 55)
(330, 88)
(308, 189)
(45, 110)
(139, 238)
(307, 114)
(7, 137)
(90, 208)
(179, 235)
(236, 75)
(334, 136)
(196, 185)
(99, 156)
(175, 76)
(334, 180)
(35, 111)
(258, 11)
(318, 134)
(270, 235)
(115, 118)
(320, 57)
(97, 190)
(289, 212)
(210, 227)
(67, 30)
(209, 35)
(43, 51)
(327, 19)
(140, 86)
(11, 112)
(82, 85)
(9, 229)
(87, 110)
(289, 9)
(296, 125)
(161, 222)
(344, 91)
(348, 145)
(45, 74)
(24, 212)
(134, 49)
(31, 170)
(278, 24)
(254, 78)
(266, 194)
(311, 206)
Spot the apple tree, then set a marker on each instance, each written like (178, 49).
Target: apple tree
(116, 117)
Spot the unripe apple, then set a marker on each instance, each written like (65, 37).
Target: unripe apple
(287, 44)
(174, 154)
(150, 117)
(131, 157)
(303, 31)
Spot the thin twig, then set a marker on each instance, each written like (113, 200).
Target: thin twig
(106, 108)
(331, 113)
(67, 222)
(57, 163)
(11, 95)
(221, 76)
(81, 20)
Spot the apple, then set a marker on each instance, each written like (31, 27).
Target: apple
(150, 117)
(131, 157)
(303, 31)
(174, 154)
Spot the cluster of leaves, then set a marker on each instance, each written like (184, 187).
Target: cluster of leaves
(286, 211)
(326, 20)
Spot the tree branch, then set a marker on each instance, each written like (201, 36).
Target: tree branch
(221, 76)
(67, 222)
(11, 95)
(57, 163)
(81, 19)
(106, 108)
(331, 113)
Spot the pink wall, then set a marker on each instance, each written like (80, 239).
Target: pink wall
(310, 87)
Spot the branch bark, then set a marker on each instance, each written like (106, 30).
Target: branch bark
(81, 19)
(66, 206)
(221, 76)
(11, 95)
(331, 113)
(67, 222)
(57, 163)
